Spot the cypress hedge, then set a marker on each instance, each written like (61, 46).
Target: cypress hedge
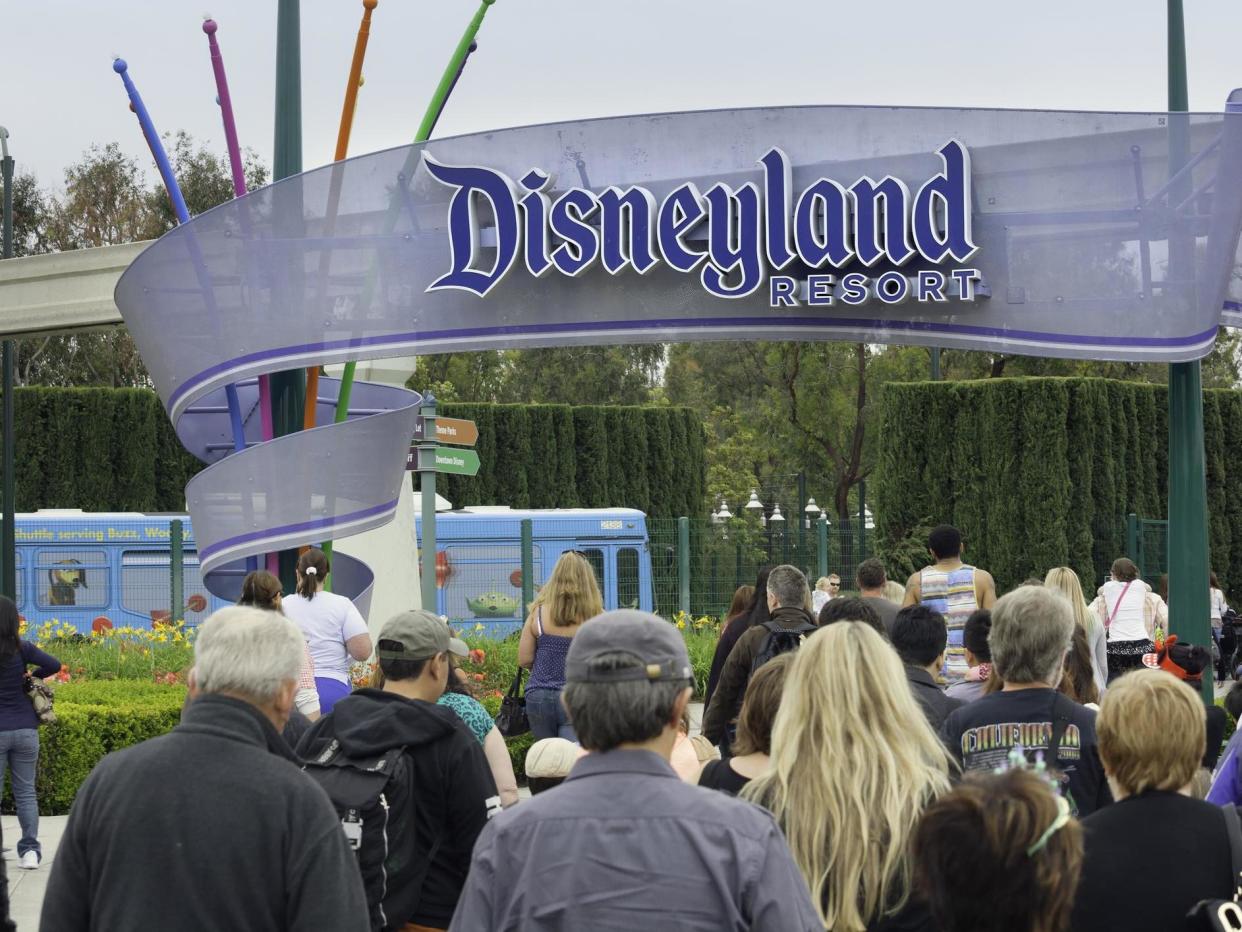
(113, 449)
(1041, 472)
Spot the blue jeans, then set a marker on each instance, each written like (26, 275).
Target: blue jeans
(548, 718)
(19, 752)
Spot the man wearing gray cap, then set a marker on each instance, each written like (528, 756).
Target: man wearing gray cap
(623, 843)
(446, 793)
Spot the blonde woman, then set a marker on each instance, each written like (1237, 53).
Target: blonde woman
(1064, 580)
(569, 597)
(854, 763)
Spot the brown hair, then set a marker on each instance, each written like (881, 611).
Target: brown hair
(1151, 731)
(741, 601)
(260, 589)
(759, 706)
(1124, 570)
(312, 558)
(571, 594)
(1078, 679)
(979, 837)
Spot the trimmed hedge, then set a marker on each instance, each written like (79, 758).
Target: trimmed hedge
(588, 456)
(1040, 472)
(113, 449)
(94, 719)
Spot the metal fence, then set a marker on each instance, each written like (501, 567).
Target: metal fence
(1147, 543)
(697, 564)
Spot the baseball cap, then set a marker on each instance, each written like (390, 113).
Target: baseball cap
(657, 647)
(421, 635)
(552, 758)
(1185, 661)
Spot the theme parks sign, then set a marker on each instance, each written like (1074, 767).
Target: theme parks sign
(744, 233)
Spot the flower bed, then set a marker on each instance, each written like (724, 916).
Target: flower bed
(161, 653)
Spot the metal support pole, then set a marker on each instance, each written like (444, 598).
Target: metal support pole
(8, 544)
(935, 363)
(176, 567)
(528, 565)
(683, 564)
(862, 520)
(288, 388)
(1189, 609)
(801, 519)
(821, 528)
(1132, 539)
(427, 485)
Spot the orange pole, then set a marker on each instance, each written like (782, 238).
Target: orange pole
(342, 149)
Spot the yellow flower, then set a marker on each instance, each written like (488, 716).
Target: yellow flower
(681, 621)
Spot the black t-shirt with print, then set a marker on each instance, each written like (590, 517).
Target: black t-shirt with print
(982, 733)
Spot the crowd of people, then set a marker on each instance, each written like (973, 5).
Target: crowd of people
(950, 762)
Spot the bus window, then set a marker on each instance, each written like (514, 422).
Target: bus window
(146, 586)
(76, 578)
(595, 557)
(483, 582)
(627, 578)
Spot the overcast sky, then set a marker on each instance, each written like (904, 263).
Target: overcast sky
(547, 60)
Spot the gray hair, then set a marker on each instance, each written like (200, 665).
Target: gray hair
(605, 715)
(1031, 632)
(247, 651)
(788, 585)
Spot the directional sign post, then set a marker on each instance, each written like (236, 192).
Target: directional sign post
(451, 430)
(457, 462)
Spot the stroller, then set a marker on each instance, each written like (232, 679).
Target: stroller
(1230, 641)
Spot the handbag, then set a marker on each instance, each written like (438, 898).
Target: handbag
(40, 696)
(1223, 915)
(512, 720)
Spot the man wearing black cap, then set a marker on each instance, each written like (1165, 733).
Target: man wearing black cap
(448, 794)
(624, 843)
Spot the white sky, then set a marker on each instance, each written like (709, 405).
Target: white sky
(547, 60)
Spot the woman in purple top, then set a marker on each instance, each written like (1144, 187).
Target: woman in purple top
(567, 599)
(19, 727)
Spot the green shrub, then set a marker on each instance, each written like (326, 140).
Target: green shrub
(94, 719)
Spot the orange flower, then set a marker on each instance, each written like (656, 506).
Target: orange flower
(478, 677)
(477, 656)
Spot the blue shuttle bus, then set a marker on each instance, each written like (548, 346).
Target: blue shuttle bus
(97, 569)
(479, 560)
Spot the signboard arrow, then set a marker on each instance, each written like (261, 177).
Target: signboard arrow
(452, 430)
(457, 462)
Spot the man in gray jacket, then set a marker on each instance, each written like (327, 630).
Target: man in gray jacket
(623, 843)
(212, 826)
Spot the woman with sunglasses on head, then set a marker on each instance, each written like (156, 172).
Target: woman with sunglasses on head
(568, 598)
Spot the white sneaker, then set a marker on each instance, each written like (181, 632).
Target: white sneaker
(30, 861)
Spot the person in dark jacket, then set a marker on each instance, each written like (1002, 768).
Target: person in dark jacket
(623, 843)
(788, 598)
(19, 727)
(1156, 852)
(756, 614)
(212, 826)
(920, 636)
(447, 768)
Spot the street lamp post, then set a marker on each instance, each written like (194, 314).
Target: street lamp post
(8, 546)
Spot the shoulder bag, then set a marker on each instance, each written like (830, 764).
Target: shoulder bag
(1223, 915)
(512, 720)
(40, 696)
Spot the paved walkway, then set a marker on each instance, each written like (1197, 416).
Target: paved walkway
(26, 888)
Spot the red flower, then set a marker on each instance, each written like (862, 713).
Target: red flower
(478, 677)
(477, 656)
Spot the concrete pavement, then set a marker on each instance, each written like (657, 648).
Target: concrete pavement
(26, 888)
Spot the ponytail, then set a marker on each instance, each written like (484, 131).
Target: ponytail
(313, 569)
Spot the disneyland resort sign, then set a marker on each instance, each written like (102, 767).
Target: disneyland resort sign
(733, 239)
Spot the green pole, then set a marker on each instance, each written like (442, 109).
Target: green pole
(1189, 606)
(176, 566)
(821, 529)
(8, 538)
(427, 485)
(862, 520)
(528, 565)
(683, 564)
(1132, 539)
(289, 387)
(800, 517)
(935, 364)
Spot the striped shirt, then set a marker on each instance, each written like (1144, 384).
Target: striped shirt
(952, 594)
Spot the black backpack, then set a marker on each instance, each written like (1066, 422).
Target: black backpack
(780, 640)
(380, 819)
